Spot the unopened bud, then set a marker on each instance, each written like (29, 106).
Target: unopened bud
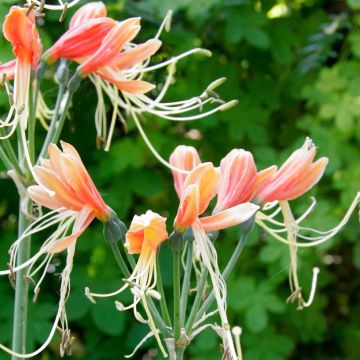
(247, 226)
(40, 71)
(62, 72)
(176, 241)
(114, 229)
(74, 83)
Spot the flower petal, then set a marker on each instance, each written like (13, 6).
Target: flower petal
(229, 217)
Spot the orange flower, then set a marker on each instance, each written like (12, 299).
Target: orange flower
(120, 35)
(80, 41)
(92, 10)
(239, 179)
(73, 192)
(19, 28)
(146, 232)
(200, 187)
(295, 177)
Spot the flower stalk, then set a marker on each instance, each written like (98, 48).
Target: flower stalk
(21, 288)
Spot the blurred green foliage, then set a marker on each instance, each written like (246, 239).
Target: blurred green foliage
(294, 66)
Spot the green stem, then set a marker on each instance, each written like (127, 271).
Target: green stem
(120, 260)
(60, 123)
(53, 122)
(197, 301)
(8, 149)
(228, 269)
(186, 283)
(163, 304)
(176, 287)
(21, 290)
(179, 351)
(6, 161)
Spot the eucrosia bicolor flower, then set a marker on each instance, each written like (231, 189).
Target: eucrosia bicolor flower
(143, 238)
(117, 66)
(296, 176)
(19, 29)
(195, 191)
(67, 189)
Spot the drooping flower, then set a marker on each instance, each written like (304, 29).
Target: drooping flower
(296, 176)
(67, 189)
(200, 186)
(19, 29)
(118, 68)
(143, 238)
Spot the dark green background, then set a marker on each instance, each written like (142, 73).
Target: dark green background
(296, 75)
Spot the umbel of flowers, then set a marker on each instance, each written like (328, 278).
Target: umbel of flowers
(57, 184)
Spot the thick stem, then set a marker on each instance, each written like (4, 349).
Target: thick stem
(53, 123)
(179, 351)
(163, 305)
(176, 287)
(197, 301)
(21, 290)
(186, 284)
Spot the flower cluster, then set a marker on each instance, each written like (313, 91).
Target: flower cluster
(211, 198)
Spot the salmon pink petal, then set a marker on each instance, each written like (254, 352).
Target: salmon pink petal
(63, 194)
(188, 209)
(111, 46)
(229, 217)
(133, 86)
(83, 220)
(238, 174)
(146, 231)
(42, 197)
(81, 41)
(307, 181)
(183, 158)
(92, 10)
(207, 178)
(7, 71)
(138, 54)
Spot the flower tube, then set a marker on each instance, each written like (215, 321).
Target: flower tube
(143, 238)
(19, 29)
